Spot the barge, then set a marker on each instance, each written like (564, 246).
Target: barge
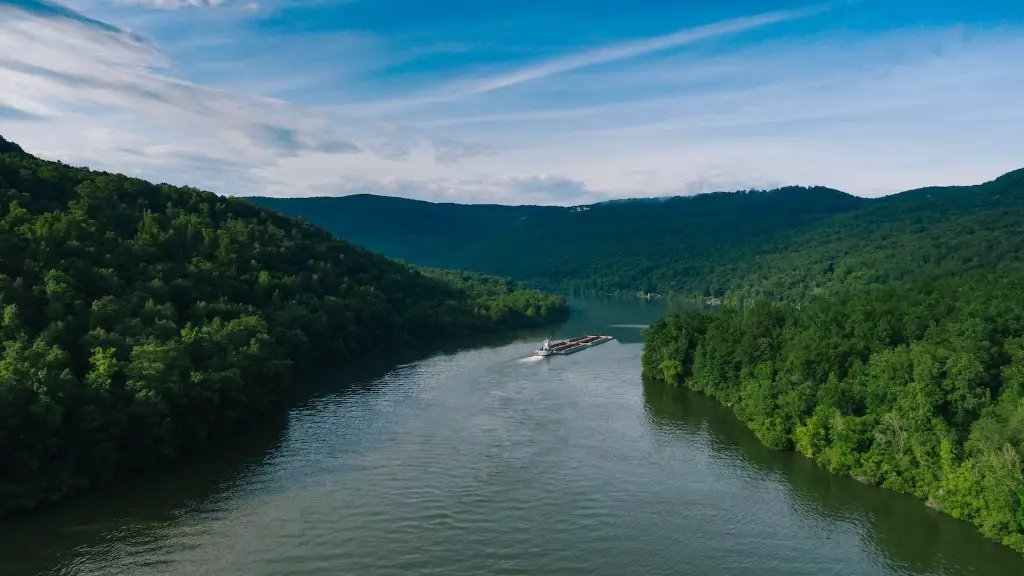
(570, 346)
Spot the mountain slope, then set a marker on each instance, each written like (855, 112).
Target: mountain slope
(419, 232)
(929, 234)
(139, 320)
(897, 357)
(675, 244)
(791, 242)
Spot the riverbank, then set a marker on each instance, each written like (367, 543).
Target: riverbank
(919, 392)
(471, 461)
(300, 386)
(141, 322)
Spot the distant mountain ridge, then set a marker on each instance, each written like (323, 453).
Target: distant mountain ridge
(619, 246)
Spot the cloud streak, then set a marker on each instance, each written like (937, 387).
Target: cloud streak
(11, 113)
(174, 4)
(633, 49)
(868, 113)
(61, 64)
(593, 57)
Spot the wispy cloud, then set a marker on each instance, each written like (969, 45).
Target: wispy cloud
(625, 50)
(867, 112)
(82, 71)
(539, 190)
(11, 113)
(592, 57)
(174, 4)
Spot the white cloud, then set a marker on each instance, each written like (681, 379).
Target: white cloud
(84, 74)
(542, 190)
(603, 55)
(624, 50)
(174, 4)
(870, 115)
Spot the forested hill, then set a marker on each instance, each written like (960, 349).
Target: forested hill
(922, 235)
(140, 320)
(421, 233)
(896, 356)
(790, 242)
(681, 244)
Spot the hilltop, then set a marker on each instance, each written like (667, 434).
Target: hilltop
(786, 243)
(680, 244)
(921, 235)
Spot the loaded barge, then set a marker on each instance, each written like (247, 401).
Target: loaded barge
(570, 346)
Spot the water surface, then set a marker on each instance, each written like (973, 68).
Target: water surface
(477, 461)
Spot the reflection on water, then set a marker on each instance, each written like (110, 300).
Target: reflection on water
(914, 538)
(473, 461)
(130, 512)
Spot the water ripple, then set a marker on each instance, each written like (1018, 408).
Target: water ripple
(477, 463)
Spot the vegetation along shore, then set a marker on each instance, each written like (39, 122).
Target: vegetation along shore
(141, 320)
(880, 337)
(884, 338)
(896, 355)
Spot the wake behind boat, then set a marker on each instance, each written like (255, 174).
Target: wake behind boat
(570, 346)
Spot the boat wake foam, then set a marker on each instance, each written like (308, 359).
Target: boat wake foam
(531, 359)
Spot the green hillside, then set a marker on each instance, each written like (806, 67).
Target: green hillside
(930, 234)
(884, 339)
(141, 320)
(683, 245)
(897, 357)
(789, 242)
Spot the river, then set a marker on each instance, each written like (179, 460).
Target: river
(475, 461)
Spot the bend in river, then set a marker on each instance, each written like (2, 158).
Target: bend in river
(486, 461)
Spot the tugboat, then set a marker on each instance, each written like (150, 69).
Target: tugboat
(545, 348)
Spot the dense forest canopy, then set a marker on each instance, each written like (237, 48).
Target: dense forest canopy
(139, 320)
(704, 245)
(929, 234)
(683, 245)
(895, 356)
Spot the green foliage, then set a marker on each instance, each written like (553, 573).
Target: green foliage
(881, 338)
(672, 245)
(792, 243)
(139, 320)
(915, 387)
(897, 356)
(913, 237)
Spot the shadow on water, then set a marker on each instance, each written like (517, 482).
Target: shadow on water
(365, 376)
(914, 538)
(135, 508)
(37, 543)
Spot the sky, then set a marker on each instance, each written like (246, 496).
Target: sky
(519, 102)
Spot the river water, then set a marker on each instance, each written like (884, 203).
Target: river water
(476, 461)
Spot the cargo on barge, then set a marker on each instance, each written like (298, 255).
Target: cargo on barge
(570, 346)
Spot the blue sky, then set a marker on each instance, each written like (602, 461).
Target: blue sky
(545, 102)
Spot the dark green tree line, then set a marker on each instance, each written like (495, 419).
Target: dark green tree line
(792, 242)
(687, 245)
(916, 388)
(140, 320)
(886, 344)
